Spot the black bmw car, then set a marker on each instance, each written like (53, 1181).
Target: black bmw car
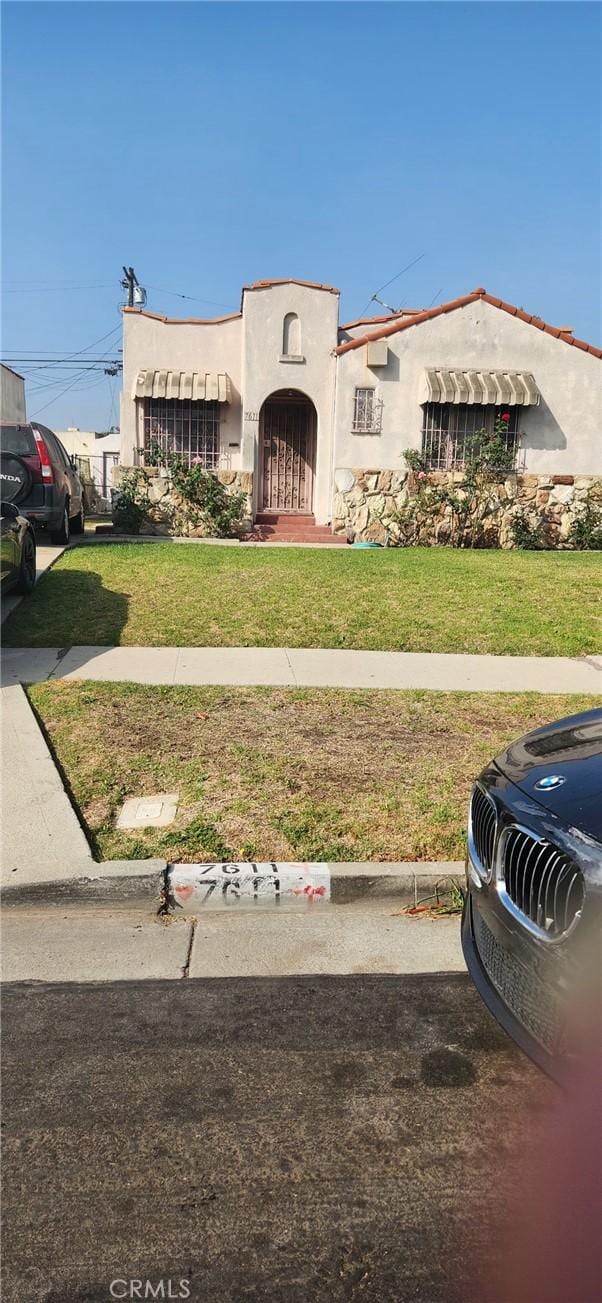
(533, 910)
(18, 544)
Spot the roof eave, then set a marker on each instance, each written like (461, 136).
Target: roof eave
(480, 294)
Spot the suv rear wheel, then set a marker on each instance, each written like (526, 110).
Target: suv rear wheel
(61, 535)
(27, 569)
(78, 522)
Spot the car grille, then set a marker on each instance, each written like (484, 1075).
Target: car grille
(543, 883)
(483, 823)
(527, 998)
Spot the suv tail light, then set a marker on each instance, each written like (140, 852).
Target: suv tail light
(45, 463)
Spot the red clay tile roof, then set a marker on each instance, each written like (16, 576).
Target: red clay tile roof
(390, 316)
(183, 321)
(290, 280)
(473, 297)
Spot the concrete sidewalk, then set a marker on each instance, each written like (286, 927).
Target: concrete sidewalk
(95, 945)
(306, 667)
(41, 836)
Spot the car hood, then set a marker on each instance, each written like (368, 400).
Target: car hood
(570, 749)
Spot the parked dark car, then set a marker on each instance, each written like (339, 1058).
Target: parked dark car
(39, 477)
(533, 910)
(18, 550)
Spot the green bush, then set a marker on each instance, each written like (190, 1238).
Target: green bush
(132, 503)
(527, 531)
(586, 529)
(459, 514)
(207, 501)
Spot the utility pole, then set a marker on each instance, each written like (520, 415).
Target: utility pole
(128, 283)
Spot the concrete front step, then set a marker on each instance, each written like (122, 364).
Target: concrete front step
(281, 528)
(283, 531)
(285, 518)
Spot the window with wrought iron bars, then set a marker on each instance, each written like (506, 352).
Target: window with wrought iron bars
(367, 412)
(449, 429)
(190, 429)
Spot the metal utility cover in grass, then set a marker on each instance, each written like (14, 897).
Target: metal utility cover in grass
(148, 811)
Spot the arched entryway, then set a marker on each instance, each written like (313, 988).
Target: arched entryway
(287, 442)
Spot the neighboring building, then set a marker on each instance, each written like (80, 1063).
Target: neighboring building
(95, 454)
(294, 407)
(12, 395)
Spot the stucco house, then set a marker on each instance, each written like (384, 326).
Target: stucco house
(96, 453)
(311, 417)
(12, 395)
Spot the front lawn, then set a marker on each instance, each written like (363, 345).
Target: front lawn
(415, 599)
(272, 773)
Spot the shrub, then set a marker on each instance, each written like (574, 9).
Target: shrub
(415, 461)
(459, 514)
(131, 503)
(586, 529)
(207, 501)
(527, 531)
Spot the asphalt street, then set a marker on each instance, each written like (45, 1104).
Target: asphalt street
(295, 1139)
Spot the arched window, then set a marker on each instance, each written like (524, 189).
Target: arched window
(291, 335)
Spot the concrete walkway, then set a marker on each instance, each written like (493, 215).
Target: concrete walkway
(41, 836)
(307, 668)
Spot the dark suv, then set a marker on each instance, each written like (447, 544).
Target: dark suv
(38, 476)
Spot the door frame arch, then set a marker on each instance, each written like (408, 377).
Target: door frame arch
(286, 482)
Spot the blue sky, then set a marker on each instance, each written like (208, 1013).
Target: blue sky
(213, 144)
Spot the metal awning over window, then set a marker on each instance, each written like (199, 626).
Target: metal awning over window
(189, 386)
(501, 388)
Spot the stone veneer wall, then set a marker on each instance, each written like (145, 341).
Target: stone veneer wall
(366, 501)
(169, 513)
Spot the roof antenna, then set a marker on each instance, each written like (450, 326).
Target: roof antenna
(395, 311)
(375, 297)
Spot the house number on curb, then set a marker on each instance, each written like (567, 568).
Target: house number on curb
(222, 885)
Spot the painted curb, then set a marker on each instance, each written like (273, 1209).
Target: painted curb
(290, 885)
(150, 883)
(267, 885)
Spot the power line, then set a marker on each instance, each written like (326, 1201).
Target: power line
(56, 289)
(433, 301)
(176, 295)
(41, 363)
(48, 363)
(56, 397)
(400, 273)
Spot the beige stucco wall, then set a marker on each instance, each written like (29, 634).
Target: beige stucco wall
(264, 311)
(151, 344)
(12, 395)
(562, 434)
(250, 349)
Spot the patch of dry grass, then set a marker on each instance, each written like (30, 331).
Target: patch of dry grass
(269, 773)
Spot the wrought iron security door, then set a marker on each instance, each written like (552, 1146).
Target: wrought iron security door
(288, 442)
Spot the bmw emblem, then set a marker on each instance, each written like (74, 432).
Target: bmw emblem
(550, 781)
